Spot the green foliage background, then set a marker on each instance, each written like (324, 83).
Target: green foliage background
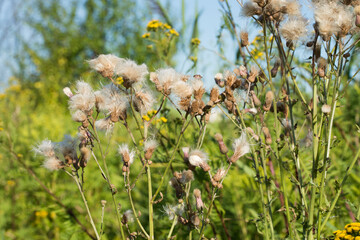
(34, 108)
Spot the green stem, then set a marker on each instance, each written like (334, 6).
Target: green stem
(172, 227)
(171, 159)
(333, 203)
(151, 210)
(86, 205)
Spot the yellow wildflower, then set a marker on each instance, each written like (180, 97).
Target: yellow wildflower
(10, 183)
(146, 118)
(41, 214)
(19, 155)
(195, 41)
(53, 215)
(164, 120)
(146, 35)
(153, 25)
(194, 59)
(141, 142)
(174, 32)
(166, 26)
(119, 80)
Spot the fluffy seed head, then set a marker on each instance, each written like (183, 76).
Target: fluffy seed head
(250, 9)
(166, 78)
(79, 116)
(197, 158)
(294, 29)
(126, 155)
(143, 101)
(219, 174)
(131, 72)
(182, 89)
(68, 92)
(149, 148)
(186, 176)
(241, 147)
(104, 124)
(326, 109)
(84, 99)
(46, 148)
(105, 64)
(53, 164)
(244, 36)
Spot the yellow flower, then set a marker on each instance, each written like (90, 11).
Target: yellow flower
(119, 80)
(166, 26)
(174, 32)
(10, 183)
(141, 142)
(146, 118)
(41, 214)
(19, 155)
(195, 41)
(194, 59)
(153, 25)
(146, 35)
(53, 215)
(357, 238)
(164, 120)
(2, 96)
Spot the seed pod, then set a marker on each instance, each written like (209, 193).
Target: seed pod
(199, 202)
(252, 133)
(244, 36)
(195, 220)
(326, 109)
(275, 68)
(321, 64)
(205, 166)
(254, 72)
(267, 135)
(214, 94)
(255, 99)
(269, 97)
(222, 146)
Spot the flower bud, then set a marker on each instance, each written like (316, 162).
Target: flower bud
(269, 97)
(222, 146)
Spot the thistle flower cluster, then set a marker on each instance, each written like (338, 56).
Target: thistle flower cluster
(63, 154)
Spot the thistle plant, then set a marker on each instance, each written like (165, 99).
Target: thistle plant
(276, 125)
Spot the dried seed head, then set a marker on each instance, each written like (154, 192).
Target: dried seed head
(68, 92)
(182, 89)
(294, 28)
(143, 101)
(199, 89)
(53, 164)
(84, 99)
(126, 155)
(131, 72)
(321, 64)
(149, 148)
(218, 76)
(222, 146)
(103, 203)
(186, 176)
(46, 148)
(214, 94)
(326, 109)
(250, 9)
(197, 157)
(219, 175)
(244, 37)
(85, 155)
(105, 64)
(267, 135)
(79, 116)
(185, 103)
(255, 99)
(197, 193)
(230, 79)
(252, 133)
(275, 68)
(195, 220)
(269, 97)
(254, 72)
(241, 147)
(104, 124)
